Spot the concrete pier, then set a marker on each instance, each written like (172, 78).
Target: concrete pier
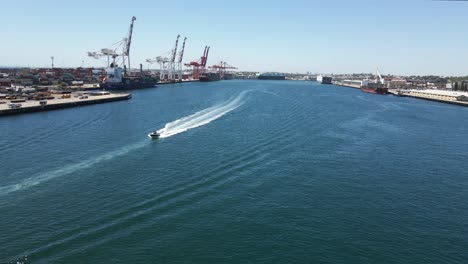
(183, 81)
(355, 86)
(92, 87)
(448, 97)
(58, 103)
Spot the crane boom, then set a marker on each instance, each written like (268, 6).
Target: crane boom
(199, 65)
(205, 57)
(174, 52)
(172, 66)
(382, 81)
(181, 54)
(129, 41)
(179, 62)
(123, 44)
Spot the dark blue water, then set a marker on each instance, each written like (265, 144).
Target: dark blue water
(246, 171)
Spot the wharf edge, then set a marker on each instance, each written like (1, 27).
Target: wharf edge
(67, 104)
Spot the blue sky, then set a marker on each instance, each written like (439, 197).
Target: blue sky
(400, 37)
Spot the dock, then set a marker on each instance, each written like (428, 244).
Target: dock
(95, 86)
(441, 96)
(183, 81)
(347, 84)
(448, 97)
(58, 103)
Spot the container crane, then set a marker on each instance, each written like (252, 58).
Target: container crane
(129, 42)
(162, 61)
(167, 63)
(164, 67)
(179, 62)
(221, 69)
(172, 62)
(205, 58)
(124, 44)
(109, 53)
(198, 67)
(150, 61)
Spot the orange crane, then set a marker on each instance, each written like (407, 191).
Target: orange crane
(221, 69)
(199, 67)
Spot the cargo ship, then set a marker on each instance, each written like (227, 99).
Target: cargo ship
(115, 80)
(228, 76)
(375, 89)
(324, 79)
(271, 76)
(209, 77)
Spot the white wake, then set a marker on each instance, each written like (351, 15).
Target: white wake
(178, 126)
(202, 117)
(68, 169)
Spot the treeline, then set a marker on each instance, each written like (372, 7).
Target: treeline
(458, 79)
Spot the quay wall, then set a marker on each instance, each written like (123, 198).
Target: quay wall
(34, 106)
(355, 86)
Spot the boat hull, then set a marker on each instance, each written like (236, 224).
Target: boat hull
(207, 79)
(152, 136)
(126, 86)
(324, 79)
(129, 84)
(210, 77)
(277, 77)
(379, 90)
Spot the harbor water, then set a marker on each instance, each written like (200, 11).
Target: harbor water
(245, 171)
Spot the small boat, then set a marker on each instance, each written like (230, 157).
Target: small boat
(154, 135)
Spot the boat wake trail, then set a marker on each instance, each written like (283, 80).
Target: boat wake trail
(178, 126)
(202, 117)
(40, 178)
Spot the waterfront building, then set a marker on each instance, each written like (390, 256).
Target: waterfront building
(460, 86)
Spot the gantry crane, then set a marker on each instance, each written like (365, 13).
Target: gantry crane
(198, 67)
(129, 42)
(179, 62)
(113, 53)
(168, 65)
(221, 69)
(172, 62)
(163, 66)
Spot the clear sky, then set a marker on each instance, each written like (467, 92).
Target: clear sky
(399, 36)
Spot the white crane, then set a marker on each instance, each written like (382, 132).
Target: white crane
(124, 45)
(382, 81)
(179, 62)
(128, 42)
(163, 65)
(109, 53)
(172, 62)
(169, 68)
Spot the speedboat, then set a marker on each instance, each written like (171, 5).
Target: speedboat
(154, 135)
